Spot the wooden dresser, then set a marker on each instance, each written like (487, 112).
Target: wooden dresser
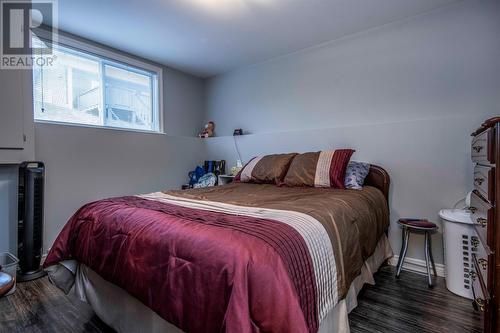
(485, 209)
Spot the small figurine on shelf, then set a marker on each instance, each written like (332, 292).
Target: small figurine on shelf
(208, 131)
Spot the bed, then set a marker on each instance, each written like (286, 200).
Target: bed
(234, 258)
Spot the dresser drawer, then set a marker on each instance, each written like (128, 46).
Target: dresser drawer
(482, 216)
(481, 263)
(475, 251)
(479, 290)
(484, 181)
(482, 148)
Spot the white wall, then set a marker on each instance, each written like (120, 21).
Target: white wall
(405, 95)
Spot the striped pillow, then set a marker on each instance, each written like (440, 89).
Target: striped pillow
(319, 169)
(268, 169)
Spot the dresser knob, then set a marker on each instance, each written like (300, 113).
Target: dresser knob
(473, 210)
(482, 221)
(480, 304)
(473, 275)
(483, 263)
(477, 148)
(479, 181)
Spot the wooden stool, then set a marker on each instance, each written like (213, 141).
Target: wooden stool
(418, 226)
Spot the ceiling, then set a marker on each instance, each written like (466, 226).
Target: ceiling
(209, 37)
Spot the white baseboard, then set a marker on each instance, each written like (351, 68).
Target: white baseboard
(416, 265)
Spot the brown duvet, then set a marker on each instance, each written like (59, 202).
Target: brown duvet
(354, 219)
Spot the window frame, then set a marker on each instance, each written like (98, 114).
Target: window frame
(112, 58)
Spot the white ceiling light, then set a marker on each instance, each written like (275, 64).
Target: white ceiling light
(229, 7)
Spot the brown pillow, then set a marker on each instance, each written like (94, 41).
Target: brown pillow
(268, 169)
(319, 169)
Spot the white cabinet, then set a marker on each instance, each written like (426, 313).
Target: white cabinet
(16, 116)
(11, 110)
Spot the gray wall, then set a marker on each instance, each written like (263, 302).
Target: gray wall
(183, 95)
(8, 208)
(85, 164)
(428, 161)
(405, 95)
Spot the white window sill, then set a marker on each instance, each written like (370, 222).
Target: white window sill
(60, 123)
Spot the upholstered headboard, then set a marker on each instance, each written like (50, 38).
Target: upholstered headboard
(379, 178)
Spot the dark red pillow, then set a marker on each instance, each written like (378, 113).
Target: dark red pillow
(319, 169)
(340, 160)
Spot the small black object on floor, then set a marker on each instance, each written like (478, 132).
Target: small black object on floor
(392, 305)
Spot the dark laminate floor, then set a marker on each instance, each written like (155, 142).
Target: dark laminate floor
(408, 305)
(404, 305)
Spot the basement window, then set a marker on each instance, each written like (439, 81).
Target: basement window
(89, 86)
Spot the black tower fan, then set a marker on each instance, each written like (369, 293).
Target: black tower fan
(30, 220)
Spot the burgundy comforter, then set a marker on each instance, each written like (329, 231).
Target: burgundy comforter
(201, 270)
